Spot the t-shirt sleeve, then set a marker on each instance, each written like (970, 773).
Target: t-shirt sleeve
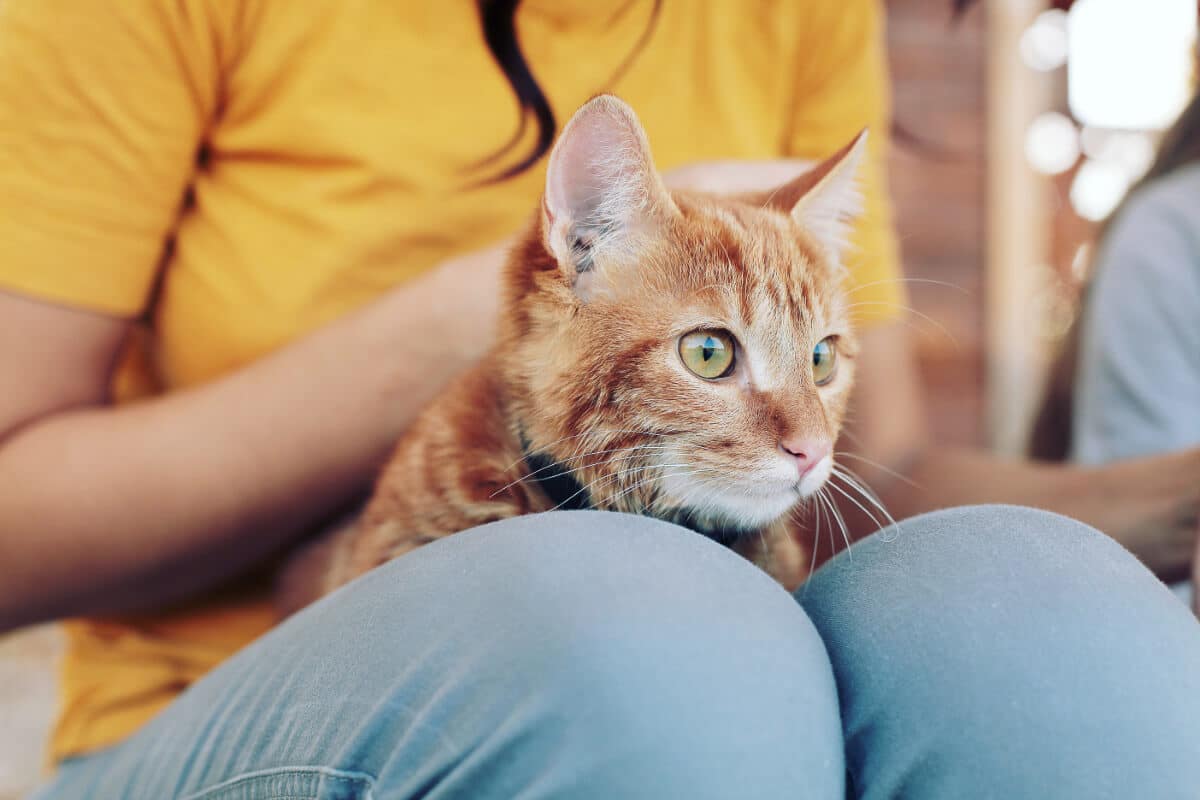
(103, 106)
(842, 87)
(1137, 389)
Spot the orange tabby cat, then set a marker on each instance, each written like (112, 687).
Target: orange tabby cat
(675, 354)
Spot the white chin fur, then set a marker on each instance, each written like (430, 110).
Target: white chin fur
(731, 504)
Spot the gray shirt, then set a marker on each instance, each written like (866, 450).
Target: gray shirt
(1137, 389)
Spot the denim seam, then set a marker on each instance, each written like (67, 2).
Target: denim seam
(326, 773)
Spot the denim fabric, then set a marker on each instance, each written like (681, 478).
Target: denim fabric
(982, 652)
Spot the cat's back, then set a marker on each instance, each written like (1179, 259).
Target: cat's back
(460, 465)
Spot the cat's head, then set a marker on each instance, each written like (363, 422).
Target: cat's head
(680, 354)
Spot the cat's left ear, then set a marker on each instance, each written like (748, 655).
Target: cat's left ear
(603, 197)
(826, 199)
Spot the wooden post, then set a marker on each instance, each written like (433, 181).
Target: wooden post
(1017, 232)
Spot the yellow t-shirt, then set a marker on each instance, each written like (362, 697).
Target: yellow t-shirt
(238, 172)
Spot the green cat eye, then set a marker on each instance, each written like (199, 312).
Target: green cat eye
(824, 361)
(709, 353)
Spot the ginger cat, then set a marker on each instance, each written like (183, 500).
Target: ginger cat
(675, 354)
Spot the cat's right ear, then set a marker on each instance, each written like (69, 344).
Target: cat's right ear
(603, 196)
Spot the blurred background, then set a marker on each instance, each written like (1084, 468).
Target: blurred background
(1019, 126)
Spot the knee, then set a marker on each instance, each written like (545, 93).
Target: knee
(636, 656)
(1014, 641)
(991, 559)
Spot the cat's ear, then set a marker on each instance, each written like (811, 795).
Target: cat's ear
(603, 196)
(826, 199)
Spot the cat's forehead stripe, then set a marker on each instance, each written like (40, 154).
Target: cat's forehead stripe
(731, 220)
(761, 375)
(782, 306)
(774, 277)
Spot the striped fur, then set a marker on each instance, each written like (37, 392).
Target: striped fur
(591, 377)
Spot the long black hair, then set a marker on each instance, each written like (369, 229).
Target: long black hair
(498, 20)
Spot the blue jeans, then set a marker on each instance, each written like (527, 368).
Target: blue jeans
(980, 652)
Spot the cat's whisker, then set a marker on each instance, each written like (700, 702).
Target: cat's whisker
(812, 559)
(692, 472)
(851, 436)
(860, 506)
(614, 476)
(946, 284)
(867, 495)
(794, 516)
(823, 501)
(879, 525)
(857, 483)
(570, 470)
(617, 475)
(593, 432)
(912, 326)
(687, 472)
(590, 438)
(827, 503)
(877, 465)
(855, 480)
(837, 516)
(913, 311)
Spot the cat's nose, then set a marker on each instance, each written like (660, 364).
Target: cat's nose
(807, 452)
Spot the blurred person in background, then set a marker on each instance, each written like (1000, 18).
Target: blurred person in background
(1137, 381)
(244, 245)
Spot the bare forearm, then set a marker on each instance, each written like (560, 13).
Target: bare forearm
(1125, 500)
(116, 508)
(1144, 504)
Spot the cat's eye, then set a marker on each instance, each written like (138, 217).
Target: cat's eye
(824, 361)
(708, 353)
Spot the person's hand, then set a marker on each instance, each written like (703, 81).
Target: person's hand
(463, 295)
(1158, 520)
(734, 177)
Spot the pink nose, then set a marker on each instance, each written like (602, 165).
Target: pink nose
(807, 452)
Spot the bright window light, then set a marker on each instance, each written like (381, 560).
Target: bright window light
(1130, 63)
(1097, 189)
(1043, 45)
(1133, 152)
(1052, 143)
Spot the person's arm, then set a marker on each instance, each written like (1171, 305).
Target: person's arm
(1149, 504)
(105, 109)
(113, 508)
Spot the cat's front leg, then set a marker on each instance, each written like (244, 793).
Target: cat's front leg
(780, 553)
(387, 531)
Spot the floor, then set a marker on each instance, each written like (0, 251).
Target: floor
(26, 706)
